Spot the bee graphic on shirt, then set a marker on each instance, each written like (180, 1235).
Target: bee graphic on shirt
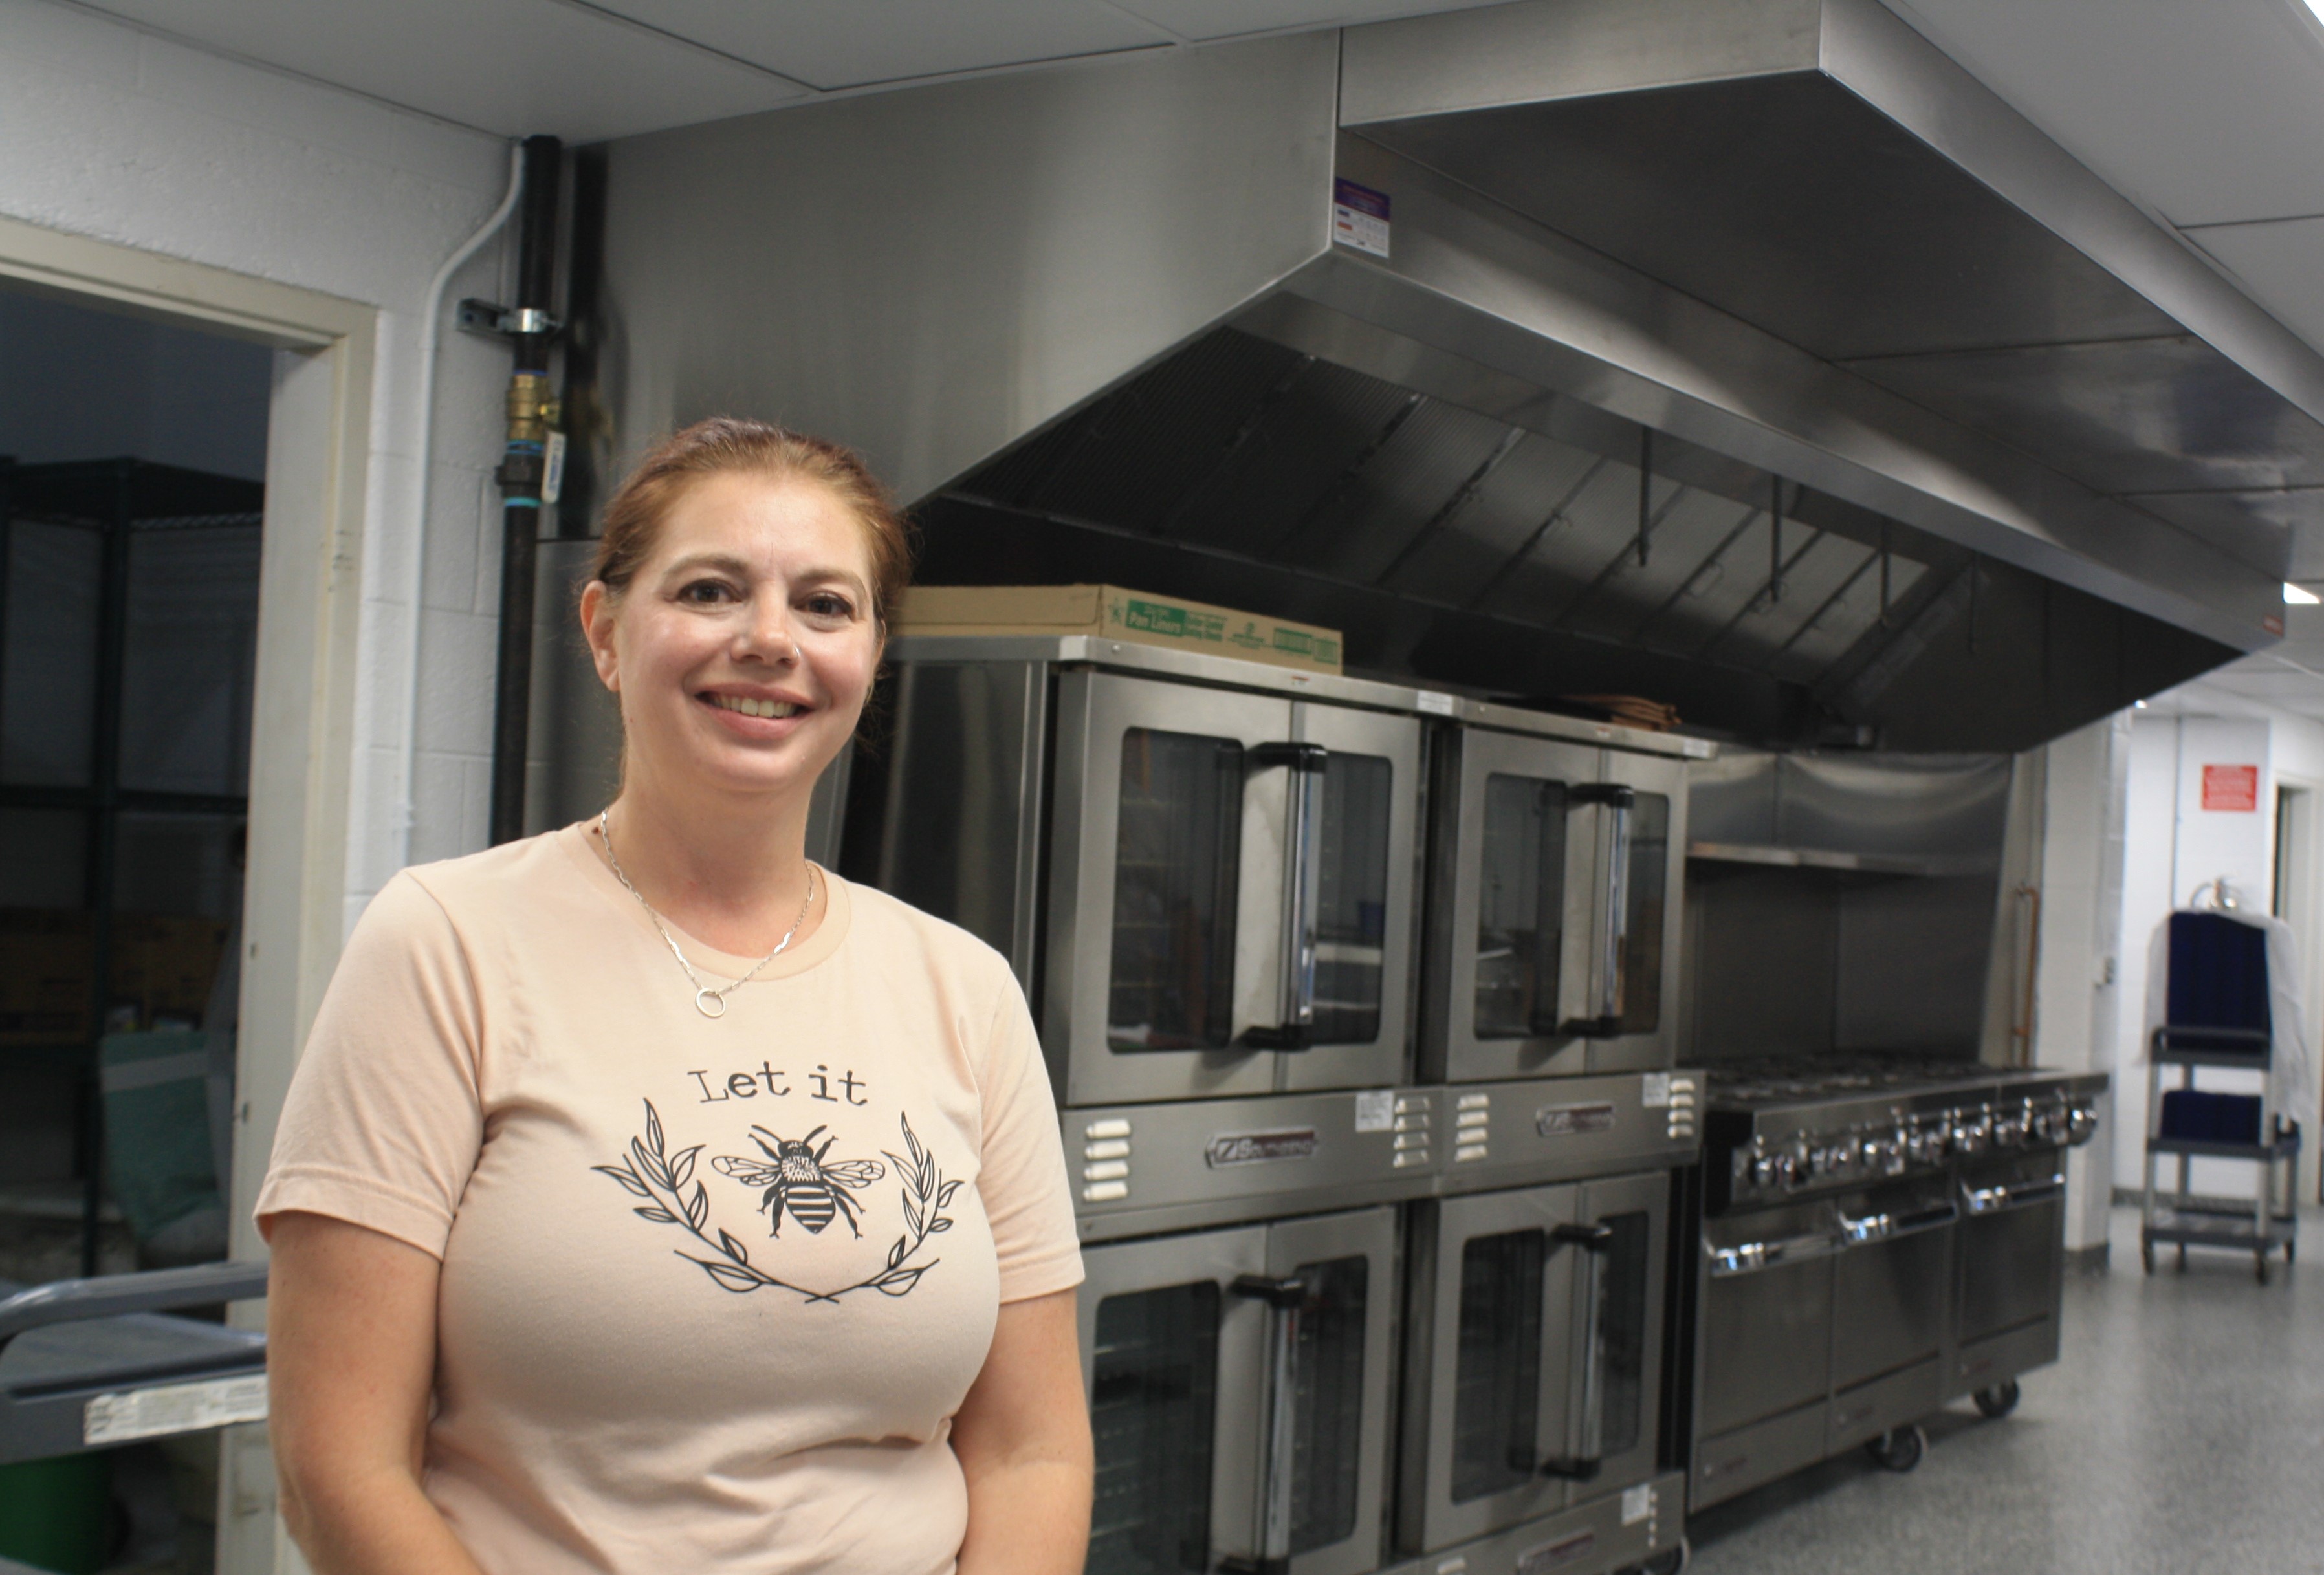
(799, 1179)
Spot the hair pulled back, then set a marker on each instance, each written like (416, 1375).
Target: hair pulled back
(726, 445)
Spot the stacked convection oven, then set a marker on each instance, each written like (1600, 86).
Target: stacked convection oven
(1354, 1002)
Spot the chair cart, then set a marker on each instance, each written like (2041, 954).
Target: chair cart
(2217, 1017)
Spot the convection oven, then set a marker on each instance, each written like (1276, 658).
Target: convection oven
(1557, 863)
(1536, 1317)
(1202, 869)
(1238, 1382)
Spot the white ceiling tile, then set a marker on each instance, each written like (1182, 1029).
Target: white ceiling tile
(1212, 19)
(851, 43)
(513, 67)
(2207, 110)
(2281, 264)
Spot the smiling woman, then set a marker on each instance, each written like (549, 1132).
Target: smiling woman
(486, 1354)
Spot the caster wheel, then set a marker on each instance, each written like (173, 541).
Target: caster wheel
(1898, 1450)
(2260, 1267)
(2147, 1255)
(2000, 1400)
(1669, 1561)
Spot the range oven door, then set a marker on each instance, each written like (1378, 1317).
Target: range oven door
(2011, 1266)
(1237, 1382)
(1554, 908)
(1231, 892)
(1534, 1381)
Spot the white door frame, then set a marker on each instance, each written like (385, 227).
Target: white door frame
(302, 732)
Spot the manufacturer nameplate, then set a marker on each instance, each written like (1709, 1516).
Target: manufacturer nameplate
(135, 1414)
(1553, 1555)
(1573, 1120)
(1258, 1147)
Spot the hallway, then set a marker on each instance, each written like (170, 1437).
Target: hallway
(2178, 1434)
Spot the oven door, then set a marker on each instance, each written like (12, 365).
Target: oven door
(1238, 1387)
(1537, 1318)
(1230, 894)
(2012, 1255)
(1555, 908)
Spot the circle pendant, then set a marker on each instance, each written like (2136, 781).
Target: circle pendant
(709, 1002)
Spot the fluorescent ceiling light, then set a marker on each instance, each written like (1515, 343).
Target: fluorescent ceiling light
(2293, 597)
(2317, 7)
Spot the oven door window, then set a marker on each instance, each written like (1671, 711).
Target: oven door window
(1327, 1390)
(1520, 906)
(1497, 1371)
(1622, 1325)
(1153, 1397)
(1175, 863)
(1642, 947)
(1352, 899)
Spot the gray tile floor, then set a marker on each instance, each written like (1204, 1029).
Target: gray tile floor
(2183, 1431)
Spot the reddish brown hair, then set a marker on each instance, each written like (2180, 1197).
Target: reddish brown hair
(724, 444)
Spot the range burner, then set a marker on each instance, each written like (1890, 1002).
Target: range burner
(1782, 1127)
(1783, 1080)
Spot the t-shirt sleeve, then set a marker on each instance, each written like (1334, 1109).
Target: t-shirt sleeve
(384, 1121)
(1026, 1195)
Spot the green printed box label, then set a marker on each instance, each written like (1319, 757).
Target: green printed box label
(1172, 623)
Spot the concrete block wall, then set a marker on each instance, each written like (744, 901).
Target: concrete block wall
(110, 131)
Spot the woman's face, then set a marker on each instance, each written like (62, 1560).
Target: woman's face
(743, 649)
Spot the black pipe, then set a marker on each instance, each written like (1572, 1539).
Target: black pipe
(523, 463)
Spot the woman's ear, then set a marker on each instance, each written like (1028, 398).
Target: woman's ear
(597, 609)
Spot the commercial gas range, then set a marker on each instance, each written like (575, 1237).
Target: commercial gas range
(1870, 1236)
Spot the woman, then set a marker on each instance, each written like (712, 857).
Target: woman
(648, 1200)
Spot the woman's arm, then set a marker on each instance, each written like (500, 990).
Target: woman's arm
(351, 1360)
(1023, 1439)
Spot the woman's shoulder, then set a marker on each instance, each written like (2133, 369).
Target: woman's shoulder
(894, 927)
(513, 872)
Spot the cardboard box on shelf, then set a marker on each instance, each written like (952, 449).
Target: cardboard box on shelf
(163, 965)
(1112, 613)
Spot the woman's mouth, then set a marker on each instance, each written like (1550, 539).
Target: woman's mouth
(748, 706)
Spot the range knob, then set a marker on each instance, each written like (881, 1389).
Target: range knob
(1971, 1131)
(1842, 1155)
(2081, 1123)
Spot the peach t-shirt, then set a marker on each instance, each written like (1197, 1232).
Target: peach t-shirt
(712, 1290)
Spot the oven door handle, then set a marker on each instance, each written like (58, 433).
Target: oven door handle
(1613, 927)
(1752, 1257)
(1271, 1534)
(2006, 1196)
(1302, 876)
(1584, 1427)
(1885, 1227)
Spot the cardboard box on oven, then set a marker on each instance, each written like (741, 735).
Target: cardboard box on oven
(1113, 613)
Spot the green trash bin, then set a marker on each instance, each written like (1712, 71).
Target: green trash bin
(57, 1514)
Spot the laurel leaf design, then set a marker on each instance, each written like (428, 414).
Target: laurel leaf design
(732, 1247)
(681, 1169)
(896, 1253)
(653, 1127)
(698, 1207)
(899, 1282)
(944, 1198)
(659, 1216)
(939, 1227)
(729, 1277)
(620, 1172)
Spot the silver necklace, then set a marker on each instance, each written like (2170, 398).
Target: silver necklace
(709, 1002)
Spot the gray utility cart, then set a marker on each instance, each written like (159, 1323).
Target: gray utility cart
(89, 1364)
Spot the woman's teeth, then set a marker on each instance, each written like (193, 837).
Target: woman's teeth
(749, 707)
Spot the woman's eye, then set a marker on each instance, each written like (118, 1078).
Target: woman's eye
(704, 593)
(827, 605)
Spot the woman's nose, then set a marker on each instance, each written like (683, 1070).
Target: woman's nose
(768, 635)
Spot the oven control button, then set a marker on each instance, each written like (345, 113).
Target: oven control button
(1105, 1192)
(1112, 1148)
(1116, 1128)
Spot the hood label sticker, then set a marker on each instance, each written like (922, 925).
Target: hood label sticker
(1573, 1120)
(1360, 217)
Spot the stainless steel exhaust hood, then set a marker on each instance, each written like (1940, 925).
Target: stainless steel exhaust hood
(1943, 444)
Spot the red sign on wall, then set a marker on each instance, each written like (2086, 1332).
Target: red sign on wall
(2231, 787)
